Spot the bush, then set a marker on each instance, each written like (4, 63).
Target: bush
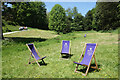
(11, 23)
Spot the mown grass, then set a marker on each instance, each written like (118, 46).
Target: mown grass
(15, 54)
(34, 33)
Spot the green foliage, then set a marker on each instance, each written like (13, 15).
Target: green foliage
(35, 13)
(75, 11)
(57, 19)
(94, 26)
(78, 22)
(69, 19)
(4, 22)
(74, 19)
(74, 24)
(8, 14)
(106, 15)
(118, 16)
(32, 14)
(10, 28)
(6, 27)
(88, 20)
(69, 13)
(48, 17)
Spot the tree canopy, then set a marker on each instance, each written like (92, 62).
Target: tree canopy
(74, 19)
(57, 19)
(32, 14)
(88, 19)
(106, 15)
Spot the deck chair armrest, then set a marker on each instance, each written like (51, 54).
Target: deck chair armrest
(80, 57)
(42, 57)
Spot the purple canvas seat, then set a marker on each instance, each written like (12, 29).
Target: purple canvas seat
(84, 35)
(34, 53)
(89, 54)
(65, 48)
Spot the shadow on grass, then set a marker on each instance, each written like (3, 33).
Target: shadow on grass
(25, 40)
(41, 63)
(66, 56)
(83, 70)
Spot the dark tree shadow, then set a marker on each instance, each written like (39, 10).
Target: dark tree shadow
(83, 70)
(66, 56)
(24, 40)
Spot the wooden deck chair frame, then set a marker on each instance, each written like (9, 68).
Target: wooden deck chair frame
(88, 66)
(69, 48)
(34, 56)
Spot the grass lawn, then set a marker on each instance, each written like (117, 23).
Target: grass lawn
(15, 54)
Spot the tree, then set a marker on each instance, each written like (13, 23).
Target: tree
(78, 22)
(1, 33)
(74, 16)
(88, 20)
(118, 16)
(7, 13)
(106, 15)
(74, 19)
(69, 13)
(94, 26)
(32, 14)
(69, 20)
(75, 12)
(48, 14)
(57, 19)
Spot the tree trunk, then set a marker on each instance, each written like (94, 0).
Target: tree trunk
(2, 36)
(1, 33)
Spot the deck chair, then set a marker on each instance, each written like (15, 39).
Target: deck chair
(87, 58)
(65, 48)
(34, 53)
(84, 35)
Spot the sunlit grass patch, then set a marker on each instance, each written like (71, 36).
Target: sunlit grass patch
(33, 33)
